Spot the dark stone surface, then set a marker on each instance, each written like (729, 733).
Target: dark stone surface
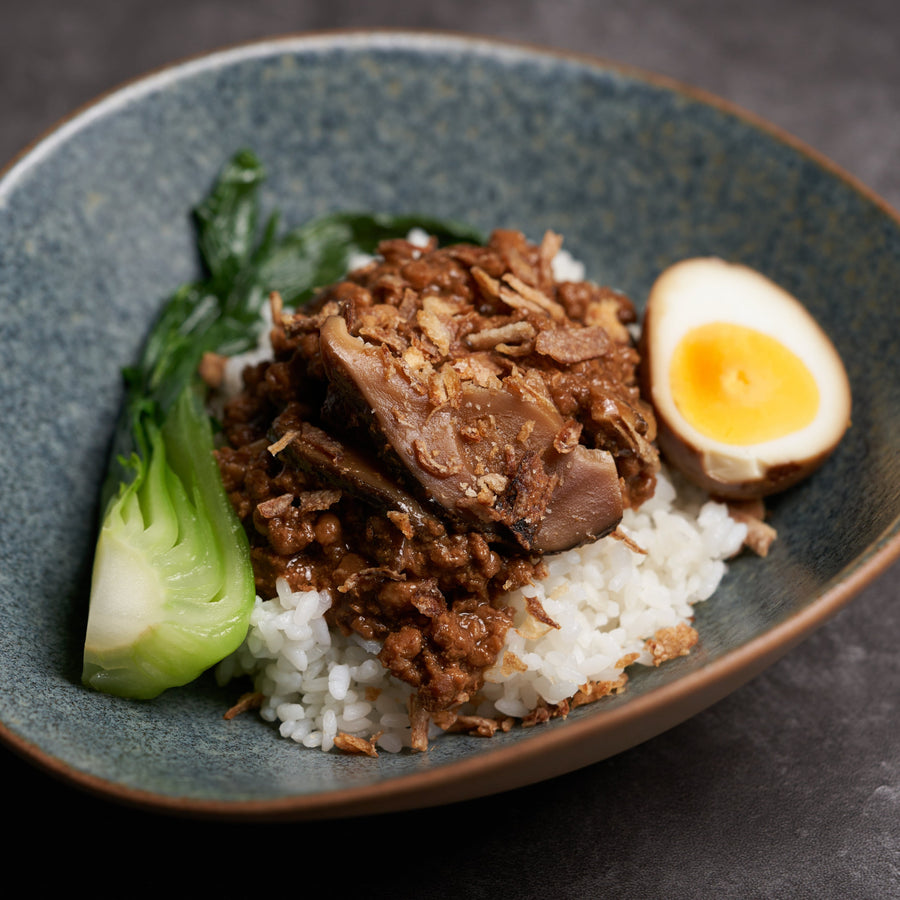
(788, 788)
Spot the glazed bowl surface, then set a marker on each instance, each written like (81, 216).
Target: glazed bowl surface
(634, 171)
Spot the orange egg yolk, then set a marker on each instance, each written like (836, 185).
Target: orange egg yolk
(741, 386)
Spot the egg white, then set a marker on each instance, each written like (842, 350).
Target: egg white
(698, 291)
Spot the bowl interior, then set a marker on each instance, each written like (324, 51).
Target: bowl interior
(95, 231)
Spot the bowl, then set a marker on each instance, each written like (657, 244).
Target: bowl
(635, 171)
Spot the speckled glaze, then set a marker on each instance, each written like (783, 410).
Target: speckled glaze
(635, 172)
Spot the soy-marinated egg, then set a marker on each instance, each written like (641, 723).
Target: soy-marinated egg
(749, 392)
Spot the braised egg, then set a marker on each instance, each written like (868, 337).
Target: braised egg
(749, 392)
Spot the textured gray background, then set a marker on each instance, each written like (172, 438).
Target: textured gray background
(788, 788)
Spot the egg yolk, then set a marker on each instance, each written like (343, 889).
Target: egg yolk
(741, 386)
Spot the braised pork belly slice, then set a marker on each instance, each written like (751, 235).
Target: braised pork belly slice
(312, 450)
(499, 459)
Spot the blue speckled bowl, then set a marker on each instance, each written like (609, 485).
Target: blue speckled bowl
(634, 171)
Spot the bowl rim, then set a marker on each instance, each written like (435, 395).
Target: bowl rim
(574, 745)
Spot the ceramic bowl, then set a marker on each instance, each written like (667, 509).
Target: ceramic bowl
(634, 171)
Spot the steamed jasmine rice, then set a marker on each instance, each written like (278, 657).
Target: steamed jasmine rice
(607, 598)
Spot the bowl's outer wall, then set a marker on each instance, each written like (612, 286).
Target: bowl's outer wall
(95, 231)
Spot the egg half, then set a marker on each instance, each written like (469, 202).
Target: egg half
(750, 394)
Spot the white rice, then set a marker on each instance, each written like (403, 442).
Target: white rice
(607, 599)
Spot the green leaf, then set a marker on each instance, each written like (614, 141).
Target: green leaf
(228, 218)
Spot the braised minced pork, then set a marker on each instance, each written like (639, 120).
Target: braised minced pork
(429, 428)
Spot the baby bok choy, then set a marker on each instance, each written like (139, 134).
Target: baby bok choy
(173, 586)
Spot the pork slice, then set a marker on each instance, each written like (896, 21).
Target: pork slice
(488, 457)
(311, 449)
